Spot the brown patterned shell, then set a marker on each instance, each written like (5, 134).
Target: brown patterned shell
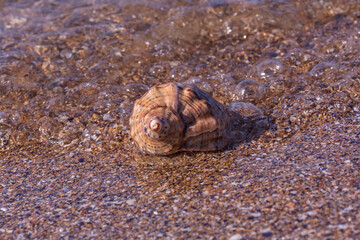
(175, 117)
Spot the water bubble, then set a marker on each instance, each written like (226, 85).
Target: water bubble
(298, 56)
(349, 83)
(126, 104)
(163, 50)
(245, 109)
(10, 118)
(102, 106)
(223, 83)
(199, 83)
(269, 68)
(82, 95)
(248, 90)
(159, 69)
(29, 132)
(123, 114)
(179, 72)
(224, 79)
(323, 70)
(109, 93)
(133, 90)
(48, 128)
(276, 85)
(87, 88)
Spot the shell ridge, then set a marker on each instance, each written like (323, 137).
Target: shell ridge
(207, 142)
(173, 98)
(199, 110)
(194, 106)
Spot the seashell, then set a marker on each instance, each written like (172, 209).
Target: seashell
(176, 117)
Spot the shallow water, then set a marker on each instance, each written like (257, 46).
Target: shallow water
(70, 71)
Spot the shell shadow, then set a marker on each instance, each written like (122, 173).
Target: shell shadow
(182, 172)
(248, 128)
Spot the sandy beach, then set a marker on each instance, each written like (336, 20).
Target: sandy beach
(71, 71)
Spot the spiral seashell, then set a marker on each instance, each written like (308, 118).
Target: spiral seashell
(176, 117)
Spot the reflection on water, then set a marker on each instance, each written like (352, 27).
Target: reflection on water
(70, 71)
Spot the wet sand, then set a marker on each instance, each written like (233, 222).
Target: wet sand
(307, 187)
